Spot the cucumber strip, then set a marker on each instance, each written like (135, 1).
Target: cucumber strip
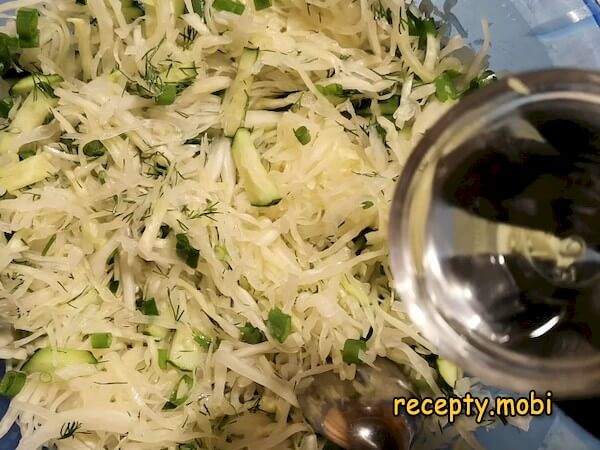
(28, 84)
(150, 20)
(33, 113)
(179, 73)
(149, 23)
(267, 120)
(185, 353)
(23, 173)
(7, 140)
(116, 77)
(235, 103)
(261, 190)
(178, 7)
(198, 7)
(48, 360)
(156, 331)
(449, 372)
(162, 356)
(131, 13)
(83, 31)
(12, 383)
(180, 393)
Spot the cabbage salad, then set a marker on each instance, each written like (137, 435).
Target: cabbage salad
(194, 209)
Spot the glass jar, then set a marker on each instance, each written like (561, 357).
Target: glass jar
(451, 266)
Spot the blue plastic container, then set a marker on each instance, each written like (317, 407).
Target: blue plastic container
(526, 35)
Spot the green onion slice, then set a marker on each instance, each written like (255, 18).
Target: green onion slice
(101, 340)
(27, 27)
(232, 6)
(279, 324)
(185, 251)
(252, 335)
(203, 340)
(445, 87)
(162, 358)
(168, 94)
(5, 107)
(303, 135)
(352, 349)
(147, 307)
(262, 4)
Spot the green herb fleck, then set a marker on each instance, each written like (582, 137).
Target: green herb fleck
(102, 176)
(5, 105)
(69, 429)
(381, 12)
(386, 107)
(48, 245)
(381, 132)
(188, 36)
(209, 211)
(360, 241)
(27, 152)
(185, 251)
(331, 90)
(164, 231)
(113, 286)
(186, 447)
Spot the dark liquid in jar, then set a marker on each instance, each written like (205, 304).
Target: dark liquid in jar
(550, 185)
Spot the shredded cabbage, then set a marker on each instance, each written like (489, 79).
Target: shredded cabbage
(87, 238)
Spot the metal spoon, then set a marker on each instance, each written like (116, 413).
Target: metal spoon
(358, 414)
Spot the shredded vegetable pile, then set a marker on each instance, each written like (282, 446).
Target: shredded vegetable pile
(194, 209)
